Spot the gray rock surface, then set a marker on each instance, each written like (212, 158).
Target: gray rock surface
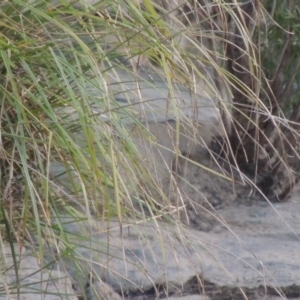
(162, 108)
(31, 282)
(256, 246)
(102, 291)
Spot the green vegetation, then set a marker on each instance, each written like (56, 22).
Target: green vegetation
(65, 146)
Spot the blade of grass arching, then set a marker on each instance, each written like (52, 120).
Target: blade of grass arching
(41, 16)
(156, 19)
(42, 99)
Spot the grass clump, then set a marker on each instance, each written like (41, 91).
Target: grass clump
(59, 103)
(86, 130)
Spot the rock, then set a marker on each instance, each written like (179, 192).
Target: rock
(204, 187)
(146, 97)
(256, 249)
(141, 255)
(32, 282)
(101, 291)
